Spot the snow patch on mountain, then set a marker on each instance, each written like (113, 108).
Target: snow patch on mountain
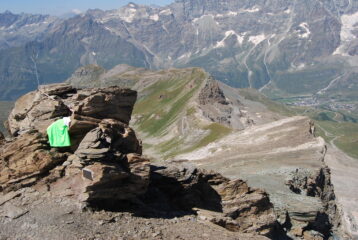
(349, 24)
(232, 13)
(195, 20)
(165, 12)
(154, 17)
(257, 39)
(306, 31)
(129, 15)
(288, 11)
(229, 33)
(252, 10)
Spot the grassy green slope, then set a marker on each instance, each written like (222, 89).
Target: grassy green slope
(163, 101)
(166, 115)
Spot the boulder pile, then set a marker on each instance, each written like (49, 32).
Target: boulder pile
(104, 160)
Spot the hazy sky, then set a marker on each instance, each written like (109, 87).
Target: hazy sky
(58, 7)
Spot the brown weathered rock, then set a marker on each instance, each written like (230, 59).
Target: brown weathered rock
(35, 111)
(38, 109)
(112, 102)
(99, 135)
(25, 159)
(109, 141)
(230, 203)
(315, 184)
(57, 89)
(250, 208)
(97, 181)
(113, 167)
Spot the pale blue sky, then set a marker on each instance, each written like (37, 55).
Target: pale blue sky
(58, 7)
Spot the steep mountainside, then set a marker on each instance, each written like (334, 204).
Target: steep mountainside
(75, 42)
(284, 48)
(18, 29)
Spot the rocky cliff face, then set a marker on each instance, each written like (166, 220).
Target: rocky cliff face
(104, 168)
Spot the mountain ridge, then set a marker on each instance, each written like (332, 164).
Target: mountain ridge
(279, 47)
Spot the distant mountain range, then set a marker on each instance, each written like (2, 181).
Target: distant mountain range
(284, 48)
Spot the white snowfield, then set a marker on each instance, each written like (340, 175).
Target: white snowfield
(349, 24)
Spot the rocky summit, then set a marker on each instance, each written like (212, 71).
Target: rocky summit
(103, 182)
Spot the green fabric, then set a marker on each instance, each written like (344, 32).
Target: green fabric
(58, 134)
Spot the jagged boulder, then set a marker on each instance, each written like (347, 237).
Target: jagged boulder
(24, 159)
(35, 110)
(109, 141)
(93, 182)
(229, 203)
(314, 184)
(108, 165)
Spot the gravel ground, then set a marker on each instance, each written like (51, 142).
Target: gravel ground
(36, 214)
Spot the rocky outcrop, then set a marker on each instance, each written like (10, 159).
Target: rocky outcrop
(214, 104)
(107, 165)
(315, 184)
(25, 159)
(104, 151)
(212, 93)
(37, 110)
(231, 204)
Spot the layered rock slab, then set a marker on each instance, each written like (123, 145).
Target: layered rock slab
(106, 149)
(24, 159)
(38, 109)
(231, 204)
